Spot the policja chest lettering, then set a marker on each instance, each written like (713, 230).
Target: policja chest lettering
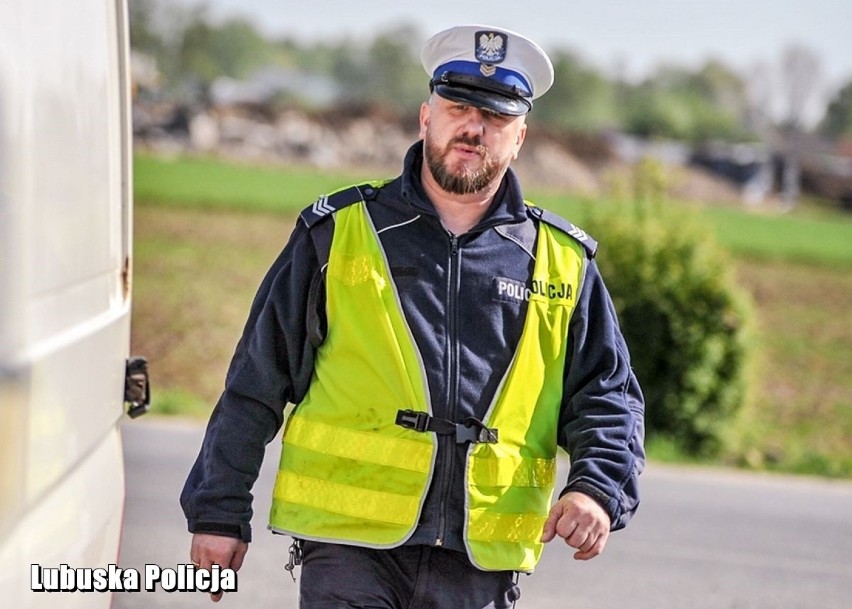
(512, 290)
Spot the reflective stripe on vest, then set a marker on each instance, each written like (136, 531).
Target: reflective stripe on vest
(349, 474)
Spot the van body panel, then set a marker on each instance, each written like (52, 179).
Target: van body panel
(65, 298)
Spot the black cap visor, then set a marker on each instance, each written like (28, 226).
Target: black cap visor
(482, 93)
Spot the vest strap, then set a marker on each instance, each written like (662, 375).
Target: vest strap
(471, 430)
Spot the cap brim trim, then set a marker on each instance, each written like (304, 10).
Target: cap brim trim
(484, 99)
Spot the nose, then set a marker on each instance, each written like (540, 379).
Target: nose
(474, 123)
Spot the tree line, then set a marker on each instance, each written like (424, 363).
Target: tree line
(712, 101)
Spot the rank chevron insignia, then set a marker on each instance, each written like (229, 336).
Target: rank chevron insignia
(321, 207)
(578, 233)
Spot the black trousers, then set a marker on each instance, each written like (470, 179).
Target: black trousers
(409, 577)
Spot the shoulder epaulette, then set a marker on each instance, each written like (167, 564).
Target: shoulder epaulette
(590, 245)
(330, 203)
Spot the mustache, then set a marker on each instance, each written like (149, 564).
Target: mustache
(472, 141)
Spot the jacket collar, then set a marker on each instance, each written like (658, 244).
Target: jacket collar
(507, 208)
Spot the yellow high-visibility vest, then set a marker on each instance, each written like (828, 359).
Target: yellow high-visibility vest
(349, 474)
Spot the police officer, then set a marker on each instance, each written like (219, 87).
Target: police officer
(440, 337)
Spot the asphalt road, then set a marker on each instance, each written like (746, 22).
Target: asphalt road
(703, 539)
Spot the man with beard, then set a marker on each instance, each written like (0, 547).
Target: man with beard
(439, 337)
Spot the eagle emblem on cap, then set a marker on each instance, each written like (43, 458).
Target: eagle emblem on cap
(490, 47)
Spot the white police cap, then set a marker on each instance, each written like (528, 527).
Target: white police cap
(488, 67)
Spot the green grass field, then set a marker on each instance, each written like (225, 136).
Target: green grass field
(201, 183)
(207, 231)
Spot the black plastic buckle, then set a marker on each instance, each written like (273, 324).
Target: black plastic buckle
(413, 419)
(475, 434)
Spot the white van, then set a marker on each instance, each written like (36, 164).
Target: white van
(65, 271)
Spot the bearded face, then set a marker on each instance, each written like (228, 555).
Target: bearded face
(458, 176)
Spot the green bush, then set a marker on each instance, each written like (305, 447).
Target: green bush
(682, 316)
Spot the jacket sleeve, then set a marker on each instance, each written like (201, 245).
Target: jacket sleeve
(602, 419)
(271, 366)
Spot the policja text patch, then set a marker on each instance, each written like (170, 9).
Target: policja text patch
(512, 290)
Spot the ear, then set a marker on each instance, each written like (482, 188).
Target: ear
(522, 135)
(425, 115)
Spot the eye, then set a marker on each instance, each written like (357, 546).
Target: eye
(496, 118)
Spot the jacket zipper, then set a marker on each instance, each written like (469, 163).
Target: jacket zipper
(448, 442)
